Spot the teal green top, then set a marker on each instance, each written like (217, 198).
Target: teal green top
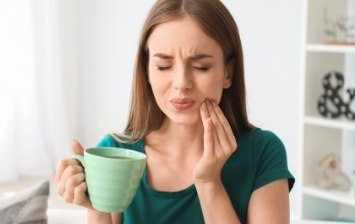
(259, 159)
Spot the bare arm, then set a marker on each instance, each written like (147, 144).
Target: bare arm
(96, 217)
(270, 204)
(215, 203)
(116, 218)
(219, 144)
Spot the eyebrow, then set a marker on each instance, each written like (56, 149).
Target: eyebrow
(163, 56)
(193, 57)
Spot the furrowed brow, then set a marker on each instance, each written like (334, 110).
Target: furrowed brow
(200, 56)
(192, 58)
(162, 56)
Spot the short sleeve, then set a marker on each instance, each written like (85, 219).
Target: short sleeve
(107, 141)
(270, 160)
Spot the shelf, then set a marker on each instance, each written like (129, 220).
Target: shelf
(331, 195)
(323, 23)
(328, 48)
(330, 123)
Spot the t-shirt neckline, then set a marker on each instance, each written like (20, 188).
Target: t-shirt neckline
(188, 190)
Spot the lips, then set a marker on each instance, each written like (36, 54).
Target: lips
(182, 103)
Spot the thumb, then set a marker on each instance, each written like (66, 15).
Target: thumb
(76, 147)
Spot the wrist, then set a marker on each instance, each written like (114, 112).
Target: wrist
(95, 216)
(215, 202)
(210, 187)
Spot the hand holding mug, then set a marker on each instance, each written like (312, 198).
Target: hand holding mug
(112, 177)
(70, 179)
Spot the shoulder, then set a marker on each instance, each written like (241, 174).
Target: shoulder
(260, 147)
(259, 139)
(269, 157)
(112, 140)
(265, 145)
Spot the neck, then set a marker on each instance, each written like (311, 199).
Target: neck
(178, 138)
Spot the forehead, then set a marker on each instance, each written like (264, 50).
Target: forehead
(184, 34)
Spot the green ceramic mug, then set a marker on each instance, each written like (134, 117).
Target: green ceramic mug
(112, 176)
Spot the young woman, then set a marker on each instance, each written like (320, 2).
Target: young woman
(205, 162)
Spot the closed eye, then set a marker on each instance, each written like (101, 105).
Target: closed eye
(163, 68)
(202, 69)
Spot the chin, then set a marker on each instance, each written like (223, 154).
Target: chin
(185, 119)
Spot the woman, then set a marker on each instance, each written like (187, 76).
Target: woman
(205, 162)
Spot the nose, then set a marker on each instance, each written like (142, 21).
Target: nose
(182, 79)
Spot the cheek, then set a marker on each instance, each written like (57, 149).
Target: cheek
(217, 96)
(214, 90)
(150, 68)
(156, 88)
(158, 85)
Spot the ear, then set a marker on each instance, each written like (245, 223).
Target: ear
(228, 74)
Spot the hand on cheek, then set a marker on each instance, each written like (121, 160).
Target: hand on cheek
(219, 143)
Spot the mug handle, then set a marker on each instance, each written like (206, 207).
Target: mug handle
(80, 158)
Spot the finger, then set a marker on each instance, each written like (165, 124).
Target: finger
(208, 139)
(215, 138)
(71, 171)
(226, 126)
(70, 186)
(66, 175)
(218, 130)
(76, 147)
(80, 195)
(62, 165)
(204, 113)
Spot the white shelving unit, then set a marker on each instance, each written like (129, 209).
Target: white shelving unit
(322, 135)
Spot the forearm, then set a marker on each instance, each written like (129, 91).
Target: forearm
(216, 204)
(96, 217)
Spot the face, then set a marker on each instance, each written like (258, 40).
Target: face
(185, 67)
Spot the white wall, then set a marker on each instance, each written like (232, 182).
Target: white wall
(109, 38)
(270, 32)
(271, 36)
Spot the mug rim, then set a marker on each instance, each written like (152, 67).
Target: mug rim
(132, 154)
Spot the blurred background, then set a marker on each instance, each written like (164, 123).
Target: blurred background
(66, 72)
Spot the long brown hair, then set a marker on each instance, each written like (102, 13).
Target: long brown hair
(217, 22)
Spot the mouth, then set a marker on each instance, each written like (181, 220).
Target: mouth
(182, 103)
